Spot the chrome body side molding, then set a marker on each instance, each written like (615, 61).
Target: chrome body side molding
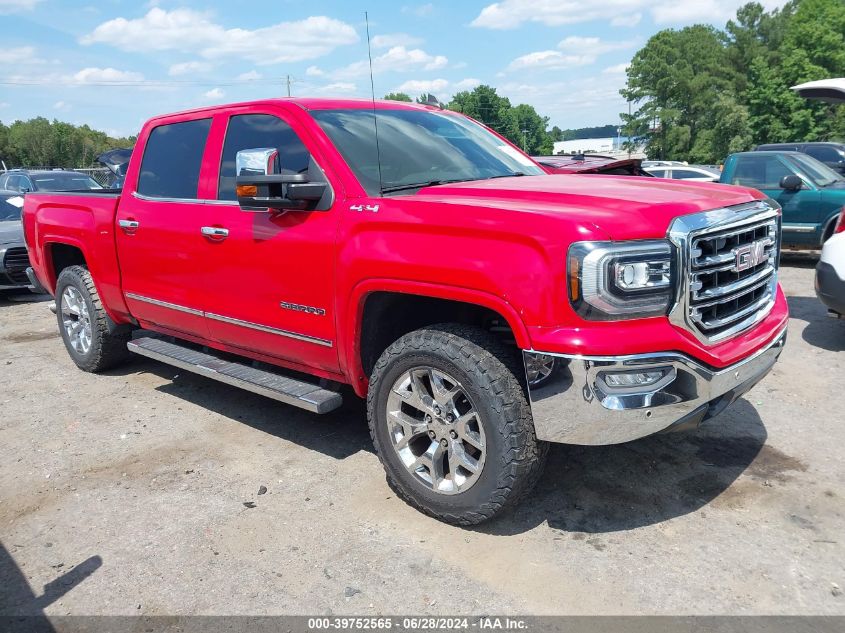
(231, 320)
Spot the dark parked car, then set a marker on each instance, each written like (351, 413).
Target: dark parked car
(117, 160)
(831, 154)
(591, 164)
(24, 180)
(13, 255)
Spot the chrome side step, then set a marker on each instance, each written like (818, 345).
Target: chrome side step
(288, 390)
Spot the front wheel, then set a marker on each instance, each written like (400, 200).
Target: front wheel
(451, 424)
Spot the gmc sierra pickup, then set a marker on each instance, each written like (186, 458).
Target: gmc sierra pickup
(482, 307)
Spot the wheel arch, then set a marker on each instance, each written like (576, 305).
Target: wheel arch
(415, 305)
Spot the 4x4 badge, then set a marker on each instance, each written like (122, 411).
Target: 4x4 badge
(364, 207)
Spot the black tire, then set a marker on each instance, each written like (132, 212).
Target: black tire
(108, 342)
(492, 375)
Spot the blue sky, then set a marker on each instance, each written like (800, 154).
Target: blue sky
(114, 63)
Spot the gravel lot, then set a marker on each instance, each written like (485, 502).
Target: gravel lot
(125, 493)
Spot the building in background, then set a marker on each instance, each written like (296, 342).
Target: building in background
(611, 146)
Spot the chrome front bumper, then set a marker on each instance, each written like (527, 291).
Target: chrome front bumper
(575, 405)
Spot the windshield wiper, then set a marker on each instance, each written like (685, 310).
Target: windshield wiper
(419, 185)
(512, 175)
(431, 183)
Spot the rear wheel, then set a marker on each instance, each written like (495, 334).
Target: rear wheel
(451, 424)
(92, 340)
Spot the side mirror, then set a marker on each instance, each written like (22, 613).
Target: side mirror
(259, 185)
(791, 182)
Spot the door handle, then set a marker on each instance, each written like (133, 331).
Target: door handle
(128, 224)
(215, 232)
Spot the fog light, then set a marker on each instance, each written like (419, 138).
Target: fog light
(637, 380)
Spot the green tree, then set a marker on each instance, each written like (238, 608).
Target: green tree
(397, 96)
(675, 81)
(39, 142)
(485, 105)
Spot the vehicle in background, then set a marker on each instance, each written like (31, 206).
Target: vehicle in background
(831, 154)
(435, 268)
(663, 163)
(14, 259)
(810, 193)
(830, 271)
(26, 180)
(591, 164)
(117, 161)
(692, 173)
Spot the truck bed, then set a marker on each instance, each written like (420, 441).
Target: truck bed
(79, 220)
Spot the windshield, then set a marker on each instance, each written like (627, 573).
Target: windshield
(59, 181)
(818, 172)
(10, 208)
(419, 147)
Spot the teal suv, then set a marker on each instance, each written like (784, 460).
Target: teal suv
(811, 193)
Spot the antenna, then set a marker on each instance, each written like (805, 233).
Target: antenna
(373, 93)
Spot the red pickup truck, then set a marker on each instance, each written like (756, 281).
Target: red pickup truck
(482, 307)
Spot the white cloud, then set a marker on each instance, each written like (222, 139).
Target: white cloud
(189, 30)
(4, 104)
(420, 10)
(397, 59)
(13, 6)
(61, 105)
(627, 20)
(186, 68)
(252, 75)
(313, 71)
(618, 69)
(338, 87)
(390, 40)
(467, 84)
(591, 45)
(550, 60)
(420, 86)
(215, 94)
(510, 14)
(593, 100)
(105, 75)
(21, 55)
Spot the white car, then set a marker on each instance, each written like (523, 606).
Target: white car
(692, 173)
(830, 271)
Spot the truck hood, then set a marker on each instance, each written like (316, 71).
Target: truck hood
(624, 207)
(11, 232)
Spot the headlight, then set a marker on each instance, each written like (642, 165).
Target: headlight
(620, 280)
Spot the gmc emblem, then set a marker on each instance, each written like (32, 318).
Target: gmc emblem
(750, 255)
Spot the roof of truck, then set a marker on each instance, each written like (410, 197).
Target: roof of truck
(312, 103)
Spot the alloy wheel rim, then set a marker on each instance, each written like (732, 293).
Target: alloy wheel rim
(76, 320)
(539, 367)
(436, 430)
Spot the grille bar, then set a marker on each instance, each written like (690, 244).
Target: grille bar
(730, 259)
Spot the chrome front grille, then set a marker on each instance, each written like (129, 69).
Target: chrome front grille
(730, 261)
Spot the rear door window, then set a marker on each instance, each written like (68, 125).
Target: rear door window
(253, 131)
(172, 160)
(825, 153)
(760, 172)
(685, 174)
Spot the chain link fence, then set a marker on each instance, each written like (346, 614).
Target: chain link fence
(103, 175)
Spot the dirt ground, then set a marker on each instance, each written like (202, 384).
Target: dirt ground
(125, 493)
